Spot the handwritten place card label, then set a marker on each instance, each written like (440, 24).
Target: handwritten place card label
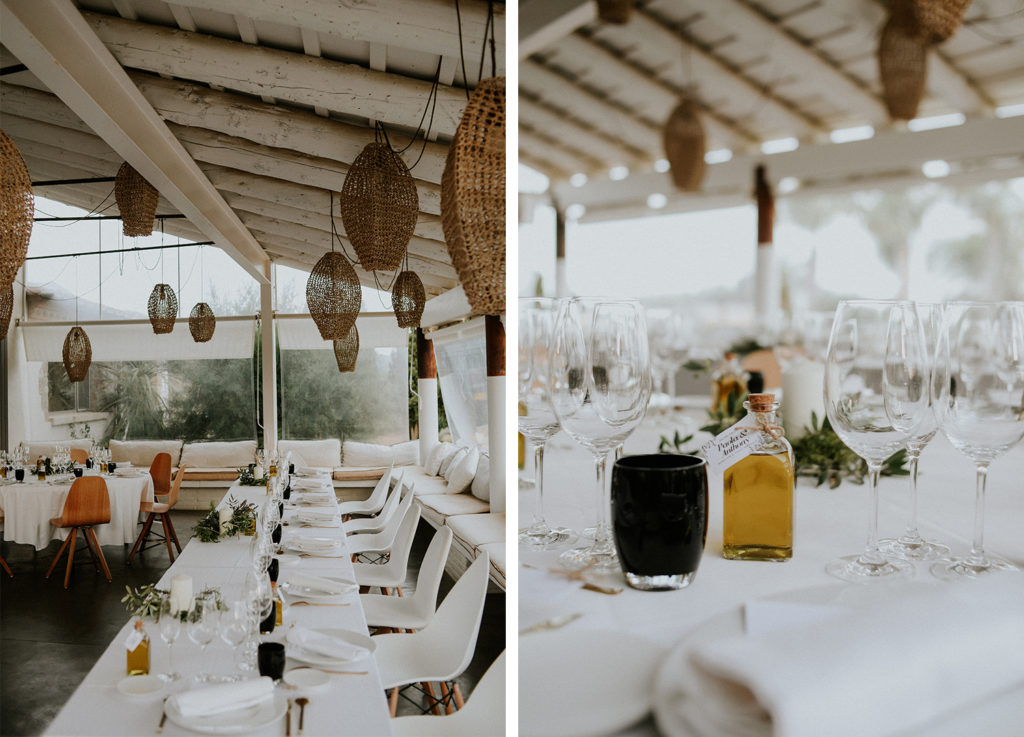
(731, 446)
(134, 639)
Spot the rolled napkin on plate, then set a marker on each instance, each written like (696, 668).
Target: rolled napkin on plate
(885, 668)
(316, 583)
(326, 646)
(224, 698)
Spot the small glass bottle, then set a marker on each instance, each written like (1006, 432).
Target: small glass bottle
(41, 469)
(276, 614)
(278, 605)
(137, 646)
(728, 380)
(758, 493)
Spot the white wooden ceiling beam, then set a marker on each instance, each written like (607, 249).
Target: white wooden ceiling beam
(428, 26)
(311, 46)
(949, 83)
(306, 133)
(259, 70)
(600, 147)
(247, 32)
(544, 22)
(182, 16)
(55, 42)
(541, 149)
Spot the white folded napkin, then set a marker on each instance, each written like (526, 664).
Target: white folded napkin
(314, 483)
(324, 645)
(312, 471)
(316, 515)
(223, 698)
(125, 471)
(881, 669)
(315, 544)
(317, 583)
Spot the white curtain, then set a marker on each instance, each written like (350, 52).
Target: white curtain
(461, 354)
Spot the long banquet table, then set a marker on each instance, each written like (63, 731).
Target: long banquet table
(29, 506)
(827, 524)
(351, 705)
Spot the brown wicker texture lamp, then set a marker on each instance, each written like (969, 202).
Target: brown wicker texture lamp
(6, 308)
(346, 351)
(163, 308)
(685, 146)
(136, 199)
(379, 207)
(333, 295)
(17, 208)
(933, 21)
(202, 322)
(473, 198)
(902, 69)
(77, 354)
(408, 299)
(614, 11)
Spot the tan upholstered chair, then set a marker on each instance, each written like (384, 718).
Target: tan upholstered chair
(160, 470)
(160, 512)
(78, 455)
(88, 504)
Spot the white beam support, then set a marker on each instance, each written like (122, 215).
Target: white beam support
(268, 364)
(544, 22)
(609, 151)
(55, 42)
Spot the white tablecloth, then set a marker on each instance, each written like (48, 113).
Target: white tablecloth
(28, 508)
(828, 524)
(352, 705)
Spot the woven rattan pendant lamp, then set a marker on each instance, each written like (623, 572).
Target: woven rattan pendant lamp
(201, 321)
(136, 200)
(408, 299)
(17, 208)
(685, 145)
(333, 295)
(902, 68)
(614, 11)
(933, 21)
(77, 354)
(346, 351)
(163, 308)
(6, 308)
(473, 198)
(379, 206)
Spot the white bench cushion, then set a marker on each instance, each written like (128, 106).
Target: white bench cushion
(232, 454)
(437, 508)
(373, 454)
(496, 551)
(325, 453)
(474, 530)
(47, 448)
(142, 452)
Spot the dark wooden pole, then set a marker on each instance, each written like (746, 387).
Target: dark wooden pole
(495, 338)
(425, 362)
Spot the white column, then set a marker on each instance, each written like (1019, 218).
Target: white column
(269, 363)
(18, 396)
(767, 299)
(496, 440)
(427, 416)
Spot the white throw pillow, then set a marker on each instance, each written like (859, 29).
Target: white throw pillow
(319, 453)
(407, 453)
(219, 455)
(481, 488)
(451, 458)
(366, 455)
(462, 471)
(432, 463)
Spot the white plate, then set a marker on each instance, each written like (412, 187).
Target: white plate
(581, 683)
(301, 592)
(307, 679)
(141, 686)
(244, 721)
(305, 656)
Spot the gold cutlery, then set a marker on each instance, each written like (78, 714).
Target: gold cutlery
(301, 701)
(163, 717)
(552, 624)
(288, 720)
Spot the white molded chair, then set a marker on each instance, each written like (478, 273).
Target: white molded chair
(378, 523)
(392, 573)
(412, 612)
(442, 650)
(383, 541)
(373, 503)
(482, 716)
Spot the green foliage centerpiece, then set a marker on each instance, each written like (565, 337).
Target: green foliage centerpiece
(241, 522)
(247, 477)
(145, 601)
(821, 454)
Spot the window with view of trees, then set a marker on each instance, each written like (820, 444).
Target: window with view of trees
(62, 395)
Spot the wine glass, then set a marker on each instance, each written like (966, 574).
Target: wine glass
(235, 626)
(202, 628)
(978, 397)
(910, 407)
(169, 624)
(600, 388)
(855, 402)
(537, 420)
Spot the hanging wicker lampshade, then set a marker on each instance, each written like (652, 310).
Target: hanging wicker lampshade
(346, 351)
(77, 354)
(6, 308)
(473, 198)
(614, 11)
(17, 208)
(933, 21)
(136, 199)
(333, 295)
(163, 308)
(408, 299)
(379, 207)
(202, 322)
(683, 137)
(902, 69)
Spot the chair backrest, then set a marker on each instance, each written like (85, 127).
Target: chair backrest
(172, 499)
(78, 455)
(379, 542)
(376, 498)
(88, 503)
(378, 523)
(160, 470)
(431, 570)
(450, 638)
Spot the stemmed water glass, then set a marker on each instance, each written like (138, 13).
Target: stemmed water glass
(600, 387)
(855, 402)
(978, 396)
(169, 624)
(202, 628)
(537, 420)
(910, 408)
(235, 625)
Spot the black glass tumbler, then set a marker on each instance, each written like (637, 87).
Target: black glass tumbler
(271, 659)
(660, 518)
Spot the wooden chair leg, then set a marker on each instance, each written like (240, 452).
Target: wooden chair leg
(3, 564)
(393, 701)
(399, 589)
(457, 694)
(67, 541)
(142, 537)
(88, 545)
(445, 699)
(99, 551)
(71, 556)
(386, 591)
(434, 703)
(167, 537)
(168, 525)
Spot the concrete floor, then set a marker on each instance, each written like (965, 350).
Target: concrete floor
(50, 637)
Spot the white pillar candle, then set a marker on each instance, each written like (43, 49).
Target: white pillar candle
(224, 517)
(803, 388)
(181, 593)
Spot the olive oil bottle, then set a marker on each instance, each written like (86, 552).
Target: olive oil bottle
(758, 502)
(137, 646)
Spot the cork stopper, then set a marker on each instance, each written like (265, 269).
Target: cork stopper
(761, 402)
